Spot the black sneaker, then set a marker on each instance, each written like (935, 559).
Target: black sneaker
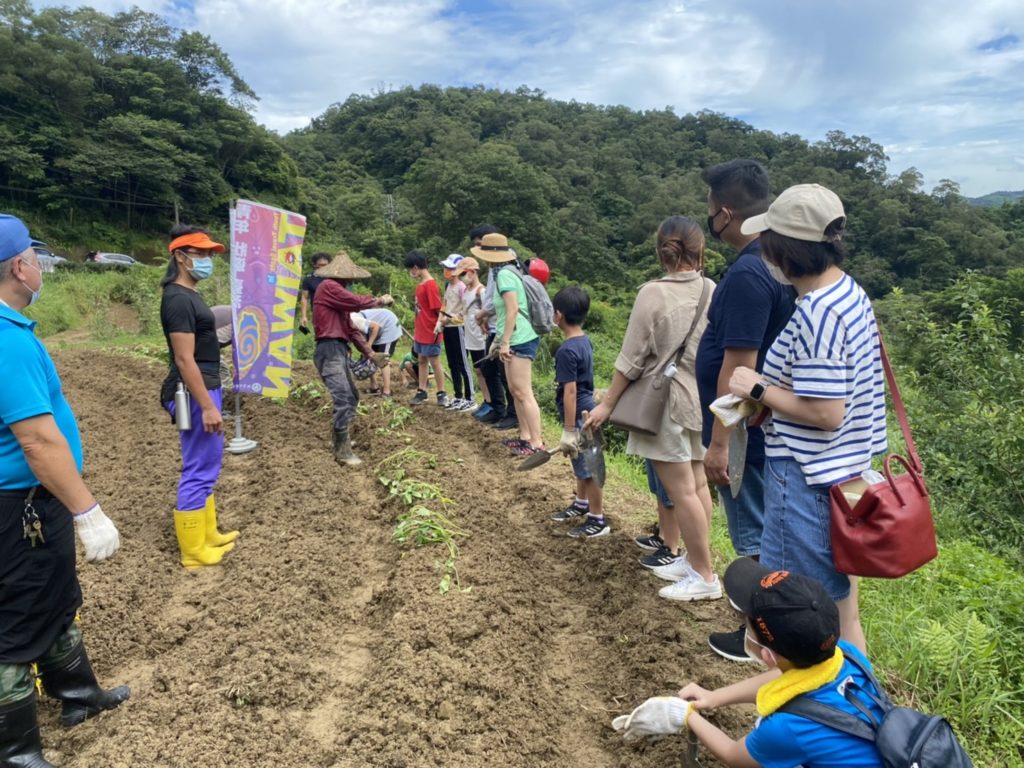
(506, 424)
(651, 543)
(569, 513)
(663, 556)
(592, 528)
(729, 645)
(419, 398)
(491, 418)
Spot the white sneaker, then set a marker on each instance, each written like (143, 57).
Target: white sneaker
(674, 571)
(692, 587)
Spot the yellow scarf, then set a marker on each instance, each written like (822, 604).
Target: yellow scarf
(793, 682)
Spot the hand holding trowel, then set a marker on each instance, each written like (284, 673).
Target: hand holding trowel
(593, 456)
(737, 413)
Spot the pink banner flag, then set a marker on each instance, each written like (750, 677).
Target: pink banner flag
(266, 268)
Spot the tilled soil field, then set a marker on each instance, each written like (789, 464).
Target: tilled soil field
(321, 642)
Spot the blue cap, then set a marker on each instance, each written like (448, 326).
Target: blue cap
(14, 236)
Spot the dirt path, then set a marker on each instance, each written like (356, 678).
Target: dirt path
(320, 642)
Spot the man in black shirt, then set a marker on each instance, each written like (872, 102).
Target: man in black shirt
(308, 290)
(191, 333)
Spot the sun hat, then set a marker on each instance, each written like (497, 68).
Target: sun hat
(452, 261)
(342, 268)
(467, 264)
(793, 614)
(494, 249)
(802, 212)
(14, 237)
(199, 240)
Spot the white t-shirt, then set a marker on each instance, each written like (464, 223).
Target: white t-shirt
(390, 328)
(475, 338)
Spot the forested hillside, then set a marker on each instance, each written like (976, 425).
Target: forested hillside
(108, 123)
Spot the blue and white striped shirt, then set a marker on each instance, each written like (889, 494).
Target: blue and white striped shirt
(830, 350)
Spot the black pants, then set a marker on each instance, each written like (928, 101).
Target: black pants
(497, 385)
(458, 363)
(39, 591)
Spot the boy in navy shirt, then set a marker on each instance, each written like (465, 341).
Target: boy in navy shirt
(574, 377)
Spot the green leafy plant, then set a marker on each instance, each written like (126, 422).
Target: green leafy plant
(421, 527)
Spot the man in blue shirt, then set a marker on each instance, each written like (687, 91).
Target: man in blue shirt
(43, 501)
(748, 310)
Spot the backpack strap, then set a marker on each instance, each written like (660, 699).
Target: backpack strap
(829, 716)
(518, 273)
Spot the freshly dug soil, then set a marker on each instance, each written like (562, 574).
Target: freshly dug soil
(321, 642)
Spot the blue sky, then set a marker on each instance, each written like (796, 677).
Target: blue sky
(939, 83)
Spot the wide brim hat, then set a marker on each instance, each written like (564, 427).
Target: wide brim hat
(494, 249)
(342, 268)
(802, 212)
(467, 264)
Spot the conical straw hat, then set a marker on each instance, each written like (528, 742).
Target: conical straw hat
(342, 268)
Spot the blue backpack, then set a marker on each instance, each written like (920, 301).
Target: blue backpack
(904, 737)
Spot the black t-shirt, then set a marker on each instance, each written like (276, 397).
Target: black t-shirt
(182, 310)
(310, 284)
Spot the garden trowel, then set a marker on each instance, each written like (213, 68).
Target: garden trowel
(737, 456)
(537, 459)
(593, 455)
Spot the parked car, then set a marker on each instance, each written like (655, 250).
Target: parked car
(47, 258)
(101, 257)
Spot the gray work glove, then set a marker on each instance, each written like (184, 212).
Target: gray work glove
(570, 443)
(658, 716)
(97, 532)
(386, 300)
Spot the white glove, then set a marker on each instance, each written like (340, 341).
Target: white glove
(97, 532)
(386, 300)
(658, 716)
(570, 443)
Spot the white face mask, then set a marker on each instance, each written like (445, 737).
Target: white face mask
(38, 291)
(753, 648)
(776, 272)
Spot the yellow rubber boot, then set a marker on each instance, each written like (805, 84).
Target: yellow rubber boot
(191, 529)
(215, 538)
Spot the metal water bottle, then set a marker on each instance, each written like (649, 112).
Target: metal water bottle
(182, 408)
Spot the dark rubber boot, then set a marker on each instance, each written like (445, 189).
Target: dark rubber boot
(20, 746)
(343, 453)
(74, 684)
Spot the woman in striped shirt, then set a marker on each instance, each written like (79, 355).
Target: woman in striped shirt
(822, 381)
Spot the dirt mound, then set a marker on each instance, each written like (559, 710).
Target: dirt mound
(321, 642)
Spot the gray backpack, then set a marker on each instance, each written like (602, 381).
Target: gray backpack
(539, 310)
(904, 737)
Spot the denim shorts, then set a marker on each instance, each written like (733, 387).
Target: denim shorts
(655, 485)
(579, 468)
(745, 513)
(797, 527)
(426, 350)
(527, 349)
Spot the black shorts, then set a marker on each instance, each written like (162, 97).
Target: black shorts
(387, 349)
(39, 591)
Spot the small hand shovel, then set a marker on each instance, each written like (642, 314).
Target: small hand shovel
(593, 456)
(536, 460)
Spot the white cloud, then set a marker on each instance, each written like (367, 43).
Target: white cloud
(907, 73)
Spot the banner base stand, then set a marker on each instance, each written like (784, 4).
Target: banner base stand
(240, 445)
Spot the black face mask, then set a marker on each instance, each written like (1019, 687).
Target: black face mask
(716, 234)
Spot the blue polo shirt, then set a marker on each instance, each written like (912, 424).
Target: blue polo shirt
(748, 310)
(29, 386)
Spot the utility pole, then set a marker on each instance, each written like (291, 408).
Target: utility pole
(177, 218)
(390, 211)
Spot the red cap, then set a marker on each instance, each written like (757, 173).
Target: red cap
(540, 270)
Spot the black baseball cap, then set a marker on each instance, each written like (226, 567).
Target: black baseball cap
(791, 614)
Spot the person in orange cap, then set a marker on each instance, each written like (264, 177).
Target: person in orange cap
(191, 332)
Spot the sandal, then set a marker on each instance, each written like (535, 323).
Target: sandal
(527, 450)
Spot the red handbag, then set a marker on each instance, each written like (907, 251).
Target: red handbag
(889, 532)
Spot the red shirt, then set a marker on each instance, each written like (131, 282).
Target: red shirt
(332, 305)
(428, 302)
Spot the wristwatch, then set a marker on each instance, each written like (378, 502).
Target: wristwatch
(757, 391)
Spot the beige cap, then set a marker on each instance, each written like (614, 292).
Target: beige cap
(468, 263)
(802, 212)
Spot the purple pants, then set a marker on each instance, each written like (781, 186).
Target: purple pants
(201, 456)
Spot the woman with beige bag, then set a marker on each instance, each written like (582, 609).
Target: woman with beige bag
(653, 394)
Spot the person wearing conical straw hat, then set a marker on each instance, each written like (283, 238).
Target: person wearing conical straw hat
(333, 306)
